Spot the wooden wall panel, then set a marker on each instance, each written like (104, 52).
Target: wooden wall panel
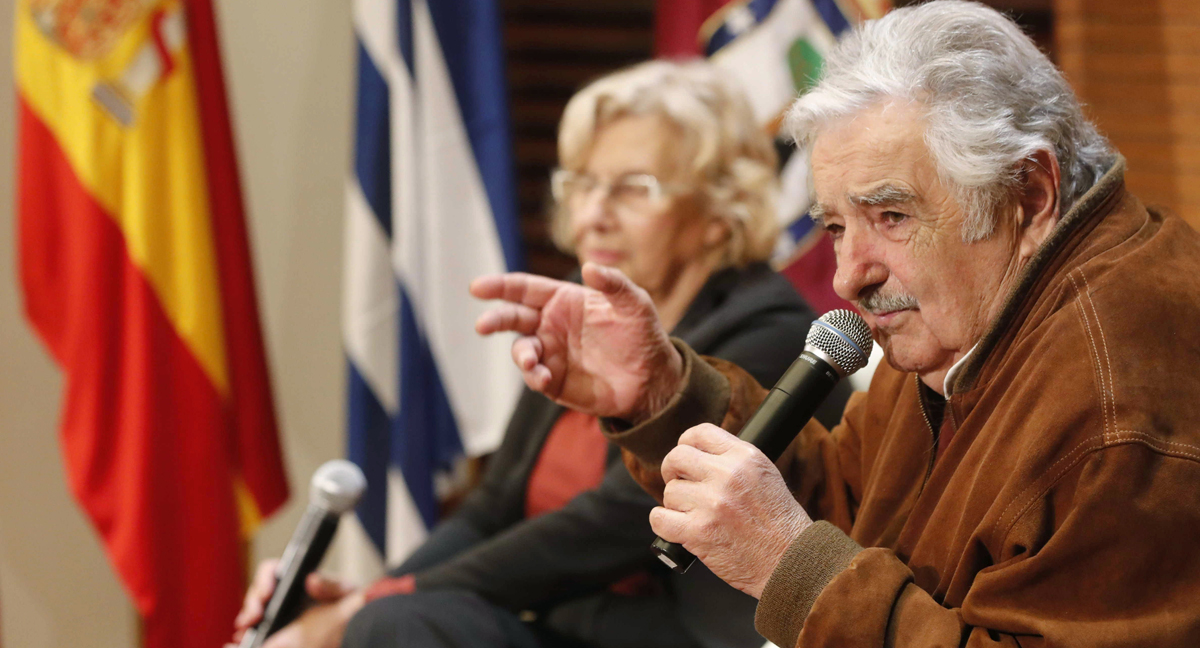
(555, 47)
(1136, 66)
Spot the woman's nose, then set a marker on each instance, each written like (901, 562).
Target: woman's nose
(594, 209)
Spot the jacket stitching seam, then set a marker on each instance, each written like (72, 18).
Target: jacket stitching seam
(1112, 382)
(1080, 448)
(1156, 443)
(1145, 440)
(1096, 370)
(1066, 469)
(1110, 424)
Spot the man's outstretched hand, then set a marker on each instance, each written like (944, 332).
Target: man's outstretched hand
(596, 348)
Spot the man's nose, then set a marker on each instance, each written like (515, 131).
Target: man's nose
(858, 263)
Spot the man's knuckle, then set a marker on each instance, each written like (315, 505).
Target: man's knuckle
(708, 523)
(671, 494)
(736, 482)
(723, 471)
(670, 465)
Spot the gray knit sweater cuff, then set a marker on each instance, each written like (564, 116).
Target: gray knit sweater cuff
(813, 559)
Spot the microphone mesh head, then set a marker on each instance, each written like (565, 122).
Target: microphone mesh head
(337, 486)
(843, 336)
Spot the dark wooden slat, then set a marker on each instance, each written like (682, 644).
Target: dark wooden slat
(555, 47)
(591, 39)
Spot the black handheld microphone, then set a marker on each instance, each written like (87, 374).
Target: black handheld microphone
(837, 345)
(336, 488)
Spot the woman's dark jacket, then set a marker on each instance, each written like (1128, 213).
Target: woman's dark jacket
(560, 564)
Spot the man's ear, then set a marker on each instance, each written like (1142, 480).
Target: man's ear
(1037, 208)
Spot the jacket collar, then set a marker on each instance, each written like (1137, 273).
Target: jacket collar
(1046, 264)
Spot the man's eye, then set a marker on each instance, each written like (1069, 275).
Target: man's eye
(834, 229)
(894, 218)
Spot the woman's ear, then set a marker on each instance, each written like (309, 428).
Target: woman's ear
(717, 232)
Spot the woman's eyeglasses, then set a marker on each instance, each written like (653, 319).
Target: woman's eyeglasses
(632, 191)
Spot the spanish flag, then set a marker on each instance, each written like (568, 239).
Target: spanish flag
(136, 274)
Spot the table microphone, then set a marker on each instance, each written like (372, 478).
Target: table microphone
(336, 488)
(837, 345)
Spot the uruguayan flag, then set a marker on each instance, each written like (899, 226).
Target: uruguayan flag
(430, 206)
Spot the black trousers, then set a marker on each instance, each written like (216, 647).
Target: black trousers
(459, 619)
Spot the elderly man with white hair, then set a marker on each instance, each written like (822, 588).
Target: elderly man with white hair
(1025, 468)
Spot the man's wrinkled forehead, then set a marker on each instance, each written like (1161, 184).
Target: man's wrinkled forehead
(876, 157)
(886, 194)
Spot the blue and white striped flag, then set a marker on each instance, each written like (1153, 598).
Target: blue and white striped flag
(430, 206)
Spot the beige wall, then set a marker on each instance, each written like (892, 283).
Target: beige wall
(290, 69)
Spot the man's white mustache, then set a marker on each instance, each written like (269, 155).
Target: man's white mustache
(881, 302)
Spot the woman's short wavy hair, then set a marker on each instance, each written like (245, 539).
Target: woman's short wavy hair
(991, 100)
(732, 160)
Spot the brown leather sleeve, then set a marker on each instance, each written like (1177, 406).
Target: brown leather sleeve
(1098, 577)
(820, 467)
(829, 591)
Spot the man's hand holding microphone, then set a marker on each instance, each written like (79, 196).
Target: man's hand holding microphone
(599, 348)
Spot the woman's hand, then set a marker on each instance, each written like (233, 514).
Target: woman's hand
(320, 626)
(597, 348)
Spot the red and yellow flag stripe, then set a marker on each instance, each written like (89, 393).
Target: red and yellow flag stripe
(149, 177)
(136, 273)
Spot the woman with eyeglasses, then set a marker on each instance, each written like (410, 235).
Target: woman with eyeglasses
(666, 176)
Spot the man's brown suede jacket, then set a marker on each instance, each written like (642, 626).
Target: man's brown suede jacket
(1065, 511)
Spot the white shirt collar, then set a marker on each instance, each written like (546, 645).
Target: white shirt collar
(954, 369)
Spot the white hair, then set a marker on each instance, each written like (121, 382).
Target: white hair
(991, 100)
(731, 159)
